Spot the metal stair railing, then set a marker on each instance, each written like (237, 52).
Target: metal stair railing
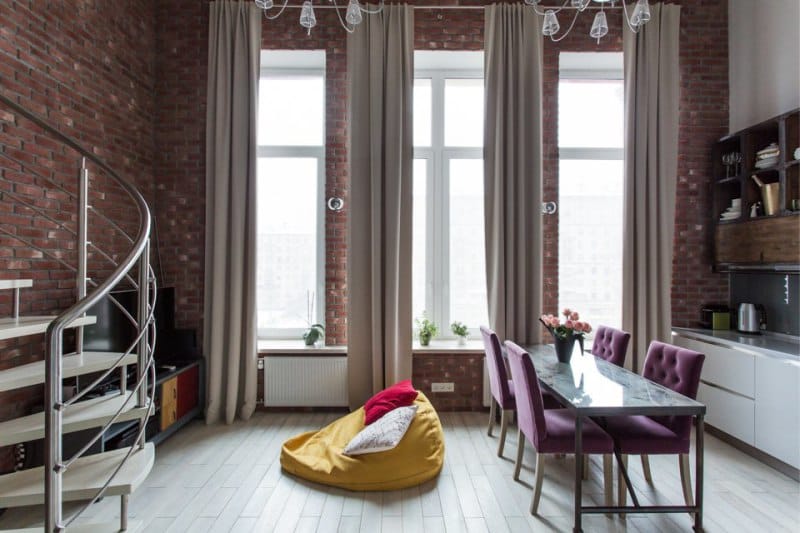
(144, 342)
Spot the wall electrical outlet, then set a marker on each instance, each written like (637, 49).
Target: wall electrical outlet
(443, 387)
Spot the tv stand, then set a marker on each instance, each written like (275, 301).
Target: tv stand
(178, 397)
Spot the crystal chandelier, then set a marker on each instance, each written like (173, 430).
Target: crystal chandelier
(352, 17)
(550, 25)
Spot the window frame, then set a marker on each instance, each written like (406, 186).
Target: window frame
(583, 153)
(437, 159)
(317, 152)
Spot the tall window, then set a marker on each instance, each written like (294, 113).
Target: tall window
(291, 181)
(449, 272)
(590, 183)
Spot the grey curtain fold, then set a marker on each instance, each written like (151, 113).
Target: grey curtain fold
(513, 171)
(651, 161)
(230, 280)
(380, 69)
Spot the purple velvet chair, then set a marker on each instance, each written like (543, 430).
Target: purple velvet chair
(551, 431)
(501, 387)
(611, 344)
(675, 368)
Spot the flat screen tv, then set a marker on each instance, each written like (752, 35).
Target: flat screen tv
(113, 332)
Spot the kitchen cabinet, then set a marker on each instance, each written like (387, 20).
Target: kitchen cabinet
(777, 409)
(751, 396)
(727, 387)
(767, 241)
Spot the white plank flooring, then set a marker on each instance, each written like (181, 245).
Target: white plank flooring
(228, 478)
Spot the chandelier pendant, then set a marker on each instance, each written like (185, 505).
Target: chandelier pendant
(353, 12)
(551, 27)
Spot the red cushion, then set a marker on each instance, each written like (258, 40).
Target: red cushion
(398, 395)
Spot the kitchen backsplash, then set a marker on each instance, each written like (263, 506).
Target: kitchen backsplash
(778, 293)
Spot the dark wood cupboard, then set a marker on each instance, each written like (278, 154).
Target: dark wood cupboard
(770, 241)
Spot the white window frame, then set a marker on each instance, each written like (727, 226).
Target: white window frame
(318, 153)
(437, 211)
(603, 72)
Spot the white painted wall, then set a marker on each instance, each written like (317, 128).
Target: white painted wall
(764, 47)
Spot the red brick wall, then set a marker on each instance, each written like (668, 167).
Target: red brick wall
(180, 164)
(88, 67)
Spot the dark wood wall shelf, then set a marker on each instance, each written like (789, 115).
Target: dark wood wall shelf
(765, 239)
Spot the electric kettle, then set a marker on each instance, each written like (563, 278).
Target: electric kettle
(749, 318)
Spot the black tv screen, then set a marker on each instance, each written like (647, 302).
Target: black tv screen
(113, 332)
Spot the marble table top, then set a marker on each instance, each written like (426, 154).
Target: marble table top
(594, 387)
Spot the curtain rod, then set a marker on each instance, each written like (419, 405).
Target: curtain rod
(344, 6)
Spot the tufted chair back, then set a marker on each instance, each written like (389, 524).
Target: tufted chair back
(611, 344)
(498, 377)
(530, 406)
(678, 369)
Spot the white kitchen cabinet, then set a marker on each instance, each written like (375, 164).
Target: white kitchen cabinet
(725, 367)
(732, 413)
(752, 396)
(777, 409)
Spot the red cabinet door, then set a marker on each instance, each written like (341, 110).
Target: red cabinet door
(188, 390)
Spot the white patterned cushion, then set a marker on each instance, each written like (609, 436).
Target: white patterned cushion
(383, 434)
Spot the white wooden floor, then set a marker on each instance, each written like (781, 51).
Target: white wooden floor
(228, 478)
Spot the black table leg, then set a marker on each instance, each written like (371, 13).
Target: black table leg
(578, 472)
(698, 490)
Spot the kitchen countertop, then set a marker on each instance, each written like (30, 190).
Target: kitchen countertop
(774, 345)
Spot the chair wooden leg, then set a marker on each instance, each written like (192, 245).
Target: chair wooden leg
(622, 494)
(585, 466)
(646, 469)
(537, 486)
(492, 414)
(686, 479)
(608, 480)
(520, 453)
(503, 428)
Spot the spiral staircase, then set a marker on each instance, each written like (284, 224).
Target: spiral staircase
(82, 477)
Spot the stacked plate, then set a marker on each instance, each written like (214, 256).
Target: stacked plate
(767, 162)
(734, 211)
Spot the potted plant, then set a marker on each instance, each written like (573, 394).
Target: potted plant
(315, 332)
(426, 330)
(461, 331)
(565, 335)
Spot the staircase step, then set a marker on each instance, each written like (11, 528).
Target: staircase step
(92, 413)
(23, 326)
(82, 480)
(73, 365)
(6, 284)
(104, 527)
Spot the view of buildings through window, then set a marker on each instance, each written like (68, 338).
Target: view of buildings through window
(590, 203)
(291, 178)
(449, 280)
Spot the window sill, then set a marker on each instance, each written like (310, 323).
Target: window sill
(296, 347)
(448, 346)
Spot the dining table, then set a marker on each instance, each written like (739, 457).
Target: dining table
(593, 388)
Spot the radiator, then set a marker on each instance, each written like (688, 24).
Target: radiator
(305, 381)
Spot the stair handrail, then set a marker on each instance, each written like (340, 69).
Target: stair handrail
(140, 241)
(54, 334)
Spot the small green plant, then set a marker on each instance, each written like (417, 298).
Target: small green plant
(315, 332)
(426, 329)
(460, 330)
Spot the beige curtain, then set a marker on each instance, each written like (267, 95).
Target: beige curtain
(651, 159)
(381, 75)
(230, 287)
(513, 171)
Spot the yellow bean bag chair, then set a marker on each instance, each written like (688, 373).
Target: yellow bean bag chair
(317, 455)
